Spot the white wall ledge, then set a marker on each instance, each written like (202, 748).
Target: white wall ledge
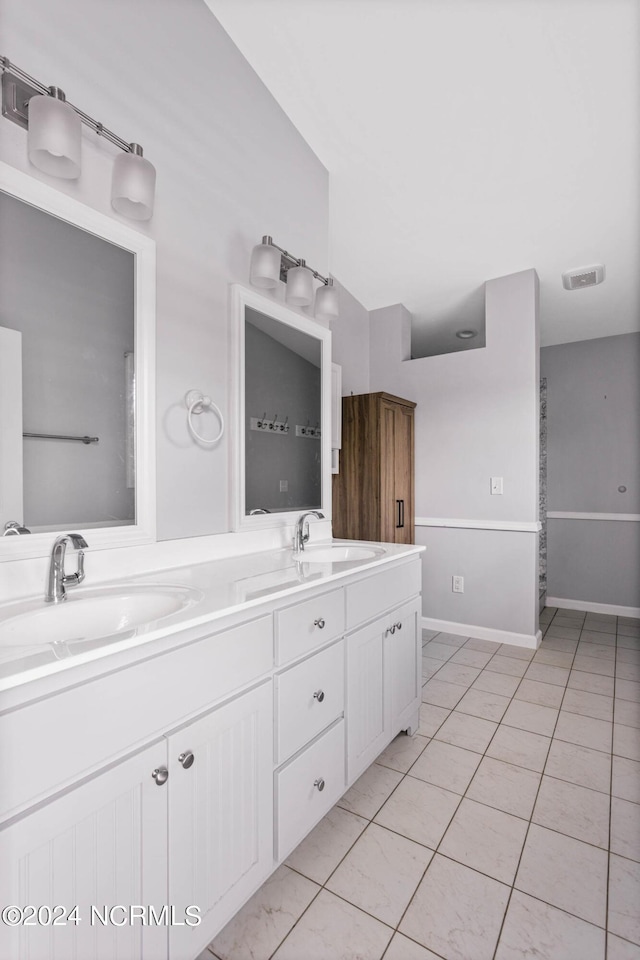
(517, 526)
(564, 515)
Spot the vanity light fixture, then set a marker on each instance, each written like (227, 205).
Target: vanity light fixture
(271, 263)
(54, 135)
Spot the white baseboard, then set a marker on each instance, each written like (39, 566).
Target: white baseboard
(483, 633)
(612, 608)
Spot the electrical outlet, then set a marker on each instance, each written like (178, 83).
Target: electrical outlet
(284, 486)
(496, 486)
(457, 584)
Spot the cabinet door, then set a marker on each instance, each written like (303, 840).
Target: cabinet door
(102, 844)
(366, 709)
(396, 472)
(220, 814)
(403, 651)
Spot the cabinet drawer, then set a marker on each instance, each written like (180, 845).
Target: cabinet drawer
(368, 598)
(300, 804)
(309, 697)
(301, 628)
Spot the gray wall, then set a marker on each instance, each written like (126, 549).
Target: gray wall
(70, 294)
(280, 382)
(350, 343)
(593, 418)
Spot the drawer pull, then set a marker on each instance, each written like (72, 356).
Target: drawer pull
(186, 759)
(319, 623)
(319, 695)
(160, 775)
(319, 783)
(399, 625)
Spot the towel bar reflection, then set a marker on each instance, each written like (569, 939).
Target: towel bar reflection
(60, 436)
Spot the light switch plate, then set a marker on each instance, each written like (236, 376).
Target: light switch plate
(496, 486)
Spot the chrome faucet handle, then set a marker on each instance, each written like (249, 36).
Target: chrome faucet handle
(57, 579)
(73, 579)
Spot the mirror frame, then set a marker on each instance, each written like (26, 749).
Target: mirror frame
(242, 297)
(40, 195)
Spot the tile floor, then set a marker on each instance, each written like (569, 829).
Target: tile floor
(507, 828)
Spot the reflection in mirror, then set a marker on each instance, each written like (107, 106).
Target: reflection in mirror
(67, 330)
(283, 413)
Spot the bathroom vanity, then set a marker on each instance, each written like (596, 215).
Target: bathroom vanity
(180, 763)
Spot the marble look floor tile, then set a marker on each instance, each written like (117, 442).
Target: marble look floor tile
(485, 646)
(442, 694)
(519, 747)
(499, 683)
(533, 929)
(628, 654)
(573, 810)
(624, 898)
(591, 683)
(381, 873)
(625, 828)
(428, 634)
(627, 690)
(486, 839)
(438, 650)
(599, 651)
(446, 766)
(430, 667)
(535, 691)
(264, 921)
(555, 643)
(519, 653)
(628, 629)
(618, 949)
(504, 786)
(628, 671)
(331, 927)
(401, 948)
(625, 779)
(602, 623)
(564, 872)
(597, 636)
(548, 673)
(431, 718)
(626, 741)
(478, 703)
(627, 712)
(471, 658)
(402, 752)
(581, 765)
(370, 791)
(633, 642)
(588, 704)
(322, 850)
(563, 633)
(470, 733)
(586, 731)
(531, 716)
(553, 658)
(458, 673)
(452, 639)
(594, 665)
(456, 911)
(512, 666)
(419, 811)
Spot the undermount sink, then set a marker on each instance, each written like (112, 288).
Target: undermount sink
(90, 614)
(337, 553)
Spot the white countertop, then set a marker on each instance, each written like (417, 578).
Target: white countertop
(215, 589)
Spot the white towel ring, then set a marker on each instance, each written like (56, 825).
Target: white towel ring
(197, 402)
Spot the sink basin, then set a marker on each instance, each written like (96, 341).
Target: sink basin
(338, 553)
(89, 614)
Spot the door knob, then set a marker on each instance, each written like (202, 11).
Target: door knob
(319, 695)
(319, 783)
(160, 775)
(319, 623)
(186, 759)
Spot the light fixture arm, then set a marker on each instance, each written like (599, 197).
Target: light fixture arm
(297, 262)
(99, 128)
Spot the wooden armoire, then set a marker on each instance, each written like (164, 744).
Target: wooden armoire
(373, 494)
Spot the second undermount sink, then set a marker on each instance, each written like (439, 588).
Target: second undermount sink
(338, 553)
(90, 614)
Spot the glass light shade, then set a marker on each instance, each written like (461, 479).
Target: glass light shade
(265, 266)
(326, 302)
(54, 135)
(299, 286)
(133, 186)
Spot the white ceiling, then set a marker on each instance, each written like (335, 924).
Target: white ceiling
(466, 139)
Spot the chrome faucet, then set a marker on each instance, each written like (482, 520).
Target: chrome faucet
(58, 580)
(301, 535)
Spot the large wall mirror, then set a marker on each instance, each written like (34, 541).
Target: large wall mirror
(77, 348)
(283, 412)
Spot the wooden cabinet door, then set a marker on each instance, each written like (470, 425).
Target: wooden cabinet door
(220, 814)
(396, 472)
(102, 844)
(366, 707)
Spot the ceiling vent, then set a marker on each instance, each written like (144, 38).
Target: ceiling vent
(583, 277)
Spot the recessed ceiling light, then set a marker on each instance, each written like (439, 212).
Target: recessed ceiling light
(466, 334)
